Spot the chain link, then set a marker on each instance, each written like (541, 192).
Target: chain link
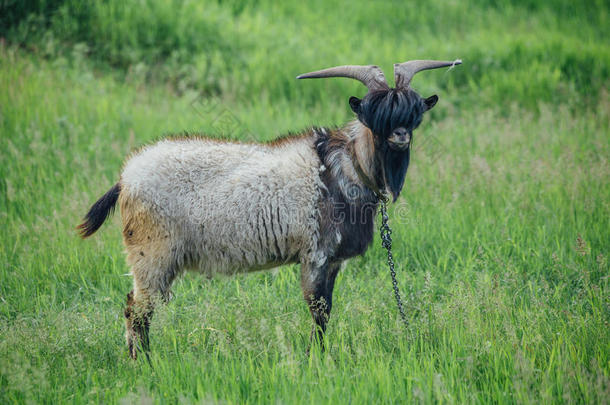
(386, 242)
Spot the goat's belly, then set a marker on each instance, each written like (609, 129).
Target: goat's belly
(243, 252)
(210, 268)
(238, 235)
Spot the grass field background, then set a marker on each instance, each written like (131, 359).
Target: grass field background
(501, 233)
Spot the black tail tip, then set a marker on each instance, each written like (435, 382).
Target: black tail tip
(99, 212)
(86, 228)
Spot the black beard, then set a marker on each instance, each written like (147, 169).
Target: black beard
(395, 164)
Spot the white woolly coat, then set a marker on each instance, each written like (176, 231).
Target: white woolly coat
(221, 207)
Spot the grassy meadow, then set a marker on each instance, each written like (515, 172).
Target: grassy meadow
(501, 233)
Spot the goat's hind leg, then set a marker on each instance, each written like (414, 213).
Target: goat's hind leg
(137, 324)
(153, 267)
(153, 273)
(141, 301)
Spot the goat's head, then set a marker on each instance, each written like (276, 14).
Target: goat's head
(390, 113)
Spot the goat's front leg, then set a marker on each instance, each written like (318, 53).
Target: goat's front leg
(317, 282)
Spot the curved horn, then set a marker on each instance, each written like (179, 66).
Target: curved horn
(371, 76)
(404, 72)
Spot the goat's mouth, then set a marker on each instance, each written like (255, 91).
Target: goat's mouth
(399, 146)
(395, 164)
(399, 143)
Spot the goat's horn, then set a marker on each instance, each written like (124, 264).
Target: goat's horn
(404, 72)
(371, 76)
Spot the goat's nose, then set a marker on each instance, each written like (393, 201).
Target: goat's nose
(400, 131)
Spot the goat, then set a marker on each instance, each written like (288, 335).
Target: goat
(224, 207)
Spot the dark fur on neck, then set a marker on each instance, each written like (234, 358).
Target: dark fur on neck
(348, 206)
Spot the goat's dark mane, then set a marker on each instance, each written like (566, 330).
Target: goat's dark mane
(385, 110)
(353, 217)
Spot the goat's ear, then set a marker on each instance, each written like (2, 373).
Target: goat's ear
(430, 102)
(354, 102)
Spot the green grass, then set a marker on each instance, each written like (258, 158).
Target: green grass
(501, 233)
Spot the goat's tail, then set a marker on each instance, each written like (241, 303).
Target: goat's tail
(99, 212)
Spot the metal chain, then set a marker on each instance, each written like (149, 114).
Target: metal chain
(386, 242)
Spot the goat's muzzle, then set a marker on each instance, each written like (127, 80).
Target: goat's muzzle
(400, 139)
